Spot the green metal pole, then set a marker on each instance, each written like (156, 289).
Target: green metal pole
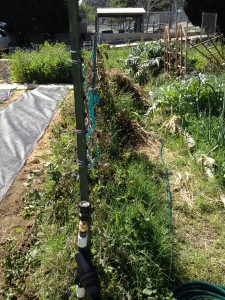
(94, 72)
(96, 21)
(87, 281)
(74, 20)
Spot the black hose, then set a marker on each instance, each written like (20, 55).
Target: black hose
(88, 277)
(199, 290)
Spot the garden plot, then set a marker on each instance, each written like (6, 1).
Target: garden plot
(22, 124)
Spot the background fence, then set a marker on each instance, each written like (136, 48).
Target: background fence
(154, 22)
(209, 23)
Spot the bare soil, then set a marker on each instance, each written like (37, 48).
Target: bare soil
(13, 98)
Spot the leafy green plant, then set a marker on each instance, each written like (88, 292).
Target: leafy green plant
(48, 64)
(194, 94)
(132, 241)
(145, 60)
(16, 266)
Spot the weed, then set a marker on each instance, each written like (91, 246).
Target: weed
(204, 205)
(16, 268)
(48, 64)
(135, 238)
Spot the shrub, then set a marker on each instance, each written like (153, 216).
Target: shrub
(48, 64)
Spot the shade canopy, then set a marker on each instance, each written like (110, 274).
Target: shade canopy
(121, 12)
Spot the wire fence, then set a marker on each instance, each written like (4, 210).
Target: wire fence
(209, 23)
(153, 24)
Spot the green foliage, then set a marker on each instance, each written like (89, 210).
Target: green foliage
(201, 215)
(55, 258)
(16, 265)
(125, 133)
(48, 64)
(133, 250)
(131, 225)
(54, 211)
(132, 247)
(88, 11)
(45, 267)
(200, 102)
(146, 60)
(204, 205)
(198, 58)
(114, 57)
(197, 94)
(136, 247)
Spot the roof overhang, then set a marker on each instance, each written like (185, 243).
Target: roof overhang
(121, 12)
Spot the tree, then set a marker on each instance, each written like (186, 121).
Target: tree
(195, 8)
(95, 3)
(153, 5)
(88, 11)
(149, 5)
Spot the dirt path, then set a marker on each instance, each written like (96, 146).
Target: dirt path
(12, 224)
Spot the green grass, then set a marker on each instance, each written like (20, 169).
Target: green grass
(132, 247)
(197, 209)
(53, 262)
(115, 57)
(198, 217)
(136, 246)
(201, 62)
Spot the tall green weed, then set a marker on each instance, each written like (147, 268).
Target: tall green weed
(199, 101)
(48, 64)
(132, 244)
(197, 94)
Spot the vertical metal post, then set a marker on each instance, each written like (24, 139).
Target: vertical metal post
(87, 282)
(96, 24)
(74, 20)
(93, 85)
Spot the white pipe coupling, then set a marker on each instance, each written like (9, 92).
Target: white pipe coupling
(80, 292)
(82, 241)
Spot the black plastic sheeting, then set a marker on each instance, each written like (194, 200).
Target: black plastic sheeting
(22, 123)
